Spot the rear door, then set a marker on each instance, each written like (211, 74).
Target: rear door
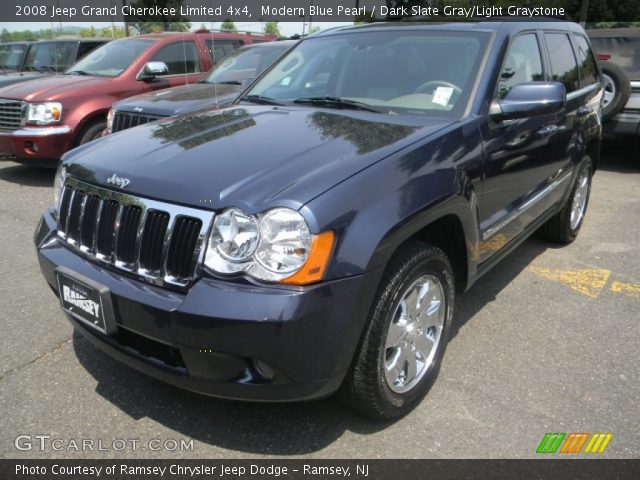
(583, 96)
(519, 154)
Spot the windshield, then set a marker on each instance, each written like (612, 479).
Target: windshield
(50, 56)
(399, 70)
(111, 59)
(11, 55)
(244, 63)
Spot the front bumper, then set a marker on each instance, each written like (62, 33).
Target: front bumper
(226, 339)
(37, 143)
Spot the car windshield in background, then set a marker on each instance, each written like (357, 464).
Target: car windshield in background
(111, 59)
(245, 64)
(397, 71)
(50, 56)
(11, 56)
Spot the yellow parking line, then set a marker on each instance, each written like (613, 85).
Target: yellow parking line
(628, 289)
(589, 282)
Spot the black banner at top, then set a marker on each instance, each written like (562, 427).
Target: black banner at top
(315, 10)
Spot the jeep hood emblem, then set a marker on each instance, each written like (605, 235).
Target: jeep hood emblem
(120, 182)
(138, 109)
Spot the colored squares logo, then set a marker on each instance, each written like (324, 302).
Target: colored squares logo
(574, 443)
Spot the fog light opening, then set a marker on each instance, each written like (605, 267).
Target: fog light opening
(264, 370)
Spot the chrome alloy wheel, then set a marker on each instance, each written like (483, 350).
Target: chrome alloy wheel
(579, 204)
(414, 333)
(609, 89)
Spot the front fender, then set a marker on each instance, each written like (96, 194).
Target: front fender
(378, 209)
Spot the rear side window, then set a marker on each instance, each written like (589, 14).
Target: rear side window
(523, 63)
(180, 57)
(564, 67)
(218, 49)
(588, 67)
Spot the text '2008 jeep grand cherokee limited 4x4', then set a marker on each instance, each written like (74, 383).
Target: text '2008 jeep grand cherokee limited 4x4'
(312, 237)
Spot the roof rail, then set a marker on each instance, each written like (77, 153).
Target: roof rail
(217, 30)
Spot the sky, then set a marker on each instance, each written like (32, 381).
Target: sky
(286, 28)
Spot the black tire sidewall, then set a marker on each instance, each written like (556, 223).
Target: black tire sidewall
(441, 269)
(90, 131)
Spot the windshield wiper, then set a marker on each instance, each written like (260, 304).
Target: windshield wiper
(77, 72)
(337, 102)
(261, 100)
(230, 82)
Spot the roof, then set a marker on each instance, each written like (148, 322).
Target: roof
(513, 25)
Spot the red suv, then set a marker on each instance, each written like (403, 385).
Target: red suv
(42, 119)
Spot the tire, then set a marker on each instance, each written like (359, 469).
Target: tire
(617, 89)
(369, 386)
(565, 225)
(91, 131)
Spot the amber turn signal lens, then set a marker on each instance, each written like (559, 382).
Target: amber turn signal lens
(314, 268)
(55, 113)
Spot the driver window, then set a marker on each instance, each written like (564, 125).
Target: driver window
(522, 64)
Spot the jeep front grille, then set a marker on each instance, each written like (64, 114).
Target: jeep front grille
(10, 114)
(124, 120)
(158, 242)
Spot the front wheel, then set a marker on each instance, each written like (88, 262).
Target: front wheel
(407, 333)
(565, 225)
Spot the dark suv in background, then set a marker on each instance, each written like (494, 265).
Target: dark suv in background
(33, 60)
(218, 88)
(313, 237)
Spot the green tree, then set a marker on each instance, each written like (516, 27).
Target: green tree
(113, 32)
(88, 32)
(5, 36)
(271, 28)
(153, 23)
(229, 26)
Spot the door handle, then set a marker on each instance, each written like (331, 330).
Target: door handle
(584, 111)
(547, 130)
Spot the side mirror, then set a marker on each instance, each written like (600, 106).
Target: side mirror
(528, 100)
(152, 69)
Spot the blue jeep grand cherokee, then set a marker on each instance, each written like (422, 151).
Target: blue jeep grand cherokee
(312, 237)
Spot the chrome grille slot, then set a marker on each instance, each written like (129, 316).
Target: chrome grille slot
(73, 221)
(10, 114)
(158, 242)
(127, 234)
(106, 227)
(125, 120)
(181, 248)
(88, 226)
(152, 240)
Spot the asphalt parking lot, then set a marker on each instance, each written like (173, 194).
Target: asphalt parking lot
(549, 341)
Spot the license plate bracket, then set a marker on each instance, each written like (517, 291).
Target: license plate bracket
(86, 300)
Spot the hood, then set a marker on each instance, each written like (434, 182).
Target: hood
(253, 157)
(51, 87)
(14, 77)
(183, 99)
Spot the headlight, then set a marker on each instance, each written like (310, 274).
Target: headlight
(110, 116)
(58, 183)
(44, 113)
(274, 246)
(233, 241)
